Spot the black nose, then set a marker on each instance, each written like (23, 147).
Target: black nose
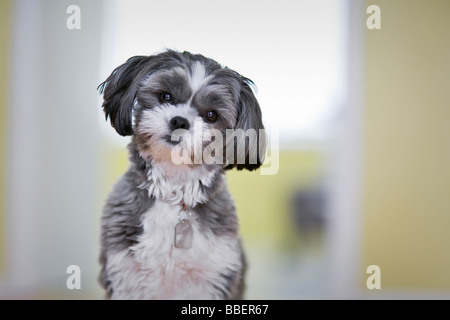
(179, 123)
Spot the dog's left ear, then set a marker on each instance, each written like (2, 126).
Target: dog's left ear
(249, 119)
(119, 92)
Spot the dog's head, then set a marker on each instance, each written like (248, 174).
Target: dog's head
(186, 105)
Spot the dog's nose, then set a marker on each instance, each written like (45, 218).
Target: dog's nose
(179, 123)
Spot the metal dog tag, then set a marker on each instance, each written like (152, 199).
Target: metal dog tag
(183, 235)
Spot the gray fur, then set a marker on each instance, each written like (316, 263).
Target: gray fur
(140, 80)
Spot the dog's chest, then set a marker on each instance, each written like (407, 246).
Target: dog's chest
(155, 269)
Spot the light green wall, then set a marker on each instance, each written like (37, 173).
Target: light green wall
(406, 201)
(264, 202)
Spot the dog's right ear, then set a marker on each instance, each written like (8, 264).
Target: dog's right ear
(119, 92)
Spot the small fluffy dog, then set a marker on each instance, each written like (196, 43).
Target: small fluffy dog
(169, 227)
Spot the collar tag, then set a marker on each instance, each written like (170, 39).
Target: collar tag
(184, 233)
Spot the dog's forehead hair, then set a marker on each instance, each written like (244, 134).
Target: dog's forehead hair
(199, 76)
(186, 81)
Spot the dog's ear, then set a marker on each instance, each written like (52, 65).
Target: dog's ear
(119, 92)
(249, 122)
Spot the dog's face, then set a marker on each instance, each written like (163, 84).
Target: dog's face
(189, 102)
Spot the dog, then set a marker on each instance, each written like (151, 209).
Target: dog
(169, 228)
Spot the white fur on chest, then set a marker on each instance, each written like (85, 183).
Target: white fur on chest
(155, 269)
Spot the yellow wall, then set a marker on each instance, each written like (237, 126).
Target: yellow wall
(406, 229)
(5, 9)
(263, 202)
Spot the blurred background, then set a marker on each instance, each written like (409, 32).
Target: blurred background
(362, 116)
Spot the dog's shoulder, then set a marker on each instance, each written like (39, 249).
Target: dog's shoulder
(122, 213)
(127, 195)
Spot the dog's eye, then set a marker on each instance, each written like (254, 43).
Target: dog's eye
(211, 116)
(165, 97)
